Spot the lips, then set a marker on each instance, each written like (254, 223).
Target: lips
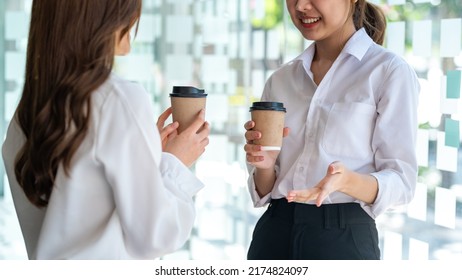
(310, 20)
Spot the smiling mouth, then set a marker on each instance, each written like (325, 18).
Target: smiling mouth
(310, 20)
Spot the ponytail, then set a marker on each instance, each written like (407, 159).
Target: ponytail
(372, 18)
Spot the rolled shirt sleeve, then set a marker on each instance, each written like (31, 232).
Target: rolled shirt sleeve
(394, 138)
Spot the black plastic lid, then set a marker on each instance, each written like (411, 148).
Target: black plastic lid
(187, 91)
(274, 106)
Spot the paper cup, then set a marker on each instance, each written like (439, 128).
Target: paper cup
(186, 103)
(269, 120)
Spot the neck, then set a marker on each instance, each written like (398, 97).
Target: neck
(330, 48)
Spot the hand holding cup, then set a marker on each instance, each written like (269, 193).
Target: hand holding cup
(186, 103)
(265, 133)
(189, 145)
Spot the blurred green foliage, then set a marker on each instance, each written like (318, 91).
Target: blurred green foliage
(421, 11)
(274, 10)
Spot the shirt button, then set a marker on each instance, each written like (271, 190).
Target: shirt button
(301, 169)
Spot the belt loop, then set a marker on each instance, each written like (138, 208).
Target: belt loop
(341, 216)
(326, 217)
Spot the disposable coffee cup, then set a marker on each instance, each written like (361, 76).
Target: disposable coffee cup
(186, 103)
(269, 120)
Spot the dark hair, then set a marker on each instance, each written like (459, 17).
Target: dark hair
(70, 53)
(372, 18)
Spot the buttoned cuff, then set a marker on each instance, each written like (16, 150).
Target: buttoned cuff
(173, 170)
(390, 193)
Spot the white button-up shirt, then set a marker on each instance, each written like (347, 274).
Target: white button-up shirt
(363, 113)
(124, 198)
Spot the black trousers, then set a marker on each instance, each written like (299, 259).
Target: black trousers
(295, 231)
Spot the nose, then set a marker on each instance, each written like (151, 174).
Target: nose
(303, 5)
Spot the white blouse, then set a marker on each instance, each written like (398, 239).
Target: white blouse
(363, 113)
(124, 198)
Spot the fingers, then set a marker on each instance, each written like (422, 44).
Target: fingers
(163, 117)
(251, 135)
(198, 122)
(253, 152)
(204, 134)
(291, 196)
(204, 130)
(302, 196)
(169, 129)
(251, 148)
(254, 158)
(316, 194)
(249, 125)
(205, 142)
(285, 132)
(323, 194)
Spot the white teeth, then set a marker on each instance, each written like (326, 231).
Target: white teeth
(310, 20)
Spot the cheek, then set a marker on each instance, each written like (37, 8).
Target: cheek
(123, 47)
(126, 42)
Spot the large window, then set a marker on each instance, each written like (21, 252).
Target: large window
(229, 48)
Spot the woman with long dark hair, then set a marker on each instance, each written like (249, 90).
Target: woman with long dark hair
(92, 176)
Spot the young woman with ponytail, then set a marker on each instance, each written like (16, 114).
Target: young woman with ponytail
(348, 151)
(91, 175)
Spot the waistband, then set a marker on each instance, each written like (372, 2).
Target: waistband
(325, 216)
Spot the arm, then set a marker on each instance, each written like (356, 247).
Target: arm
(264, 162)
(393, 142)
(363, 187)
(394, 139)
(153, 191)
(264, 180)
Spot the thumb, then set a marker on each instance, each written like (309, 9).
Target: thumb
(334, 167)
(198, 122)
(323, 194)
(286, 131)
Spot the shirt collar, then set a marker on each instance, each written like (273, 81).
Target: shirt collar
(356, 46)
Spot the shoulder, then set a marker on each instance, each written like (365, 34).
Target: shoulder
(388, 59)
(121, 90)
(386, 66)
(293, 66)
(364, 49)
(122, 101)
(121, 87)
(391, 71)
(288, 69)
